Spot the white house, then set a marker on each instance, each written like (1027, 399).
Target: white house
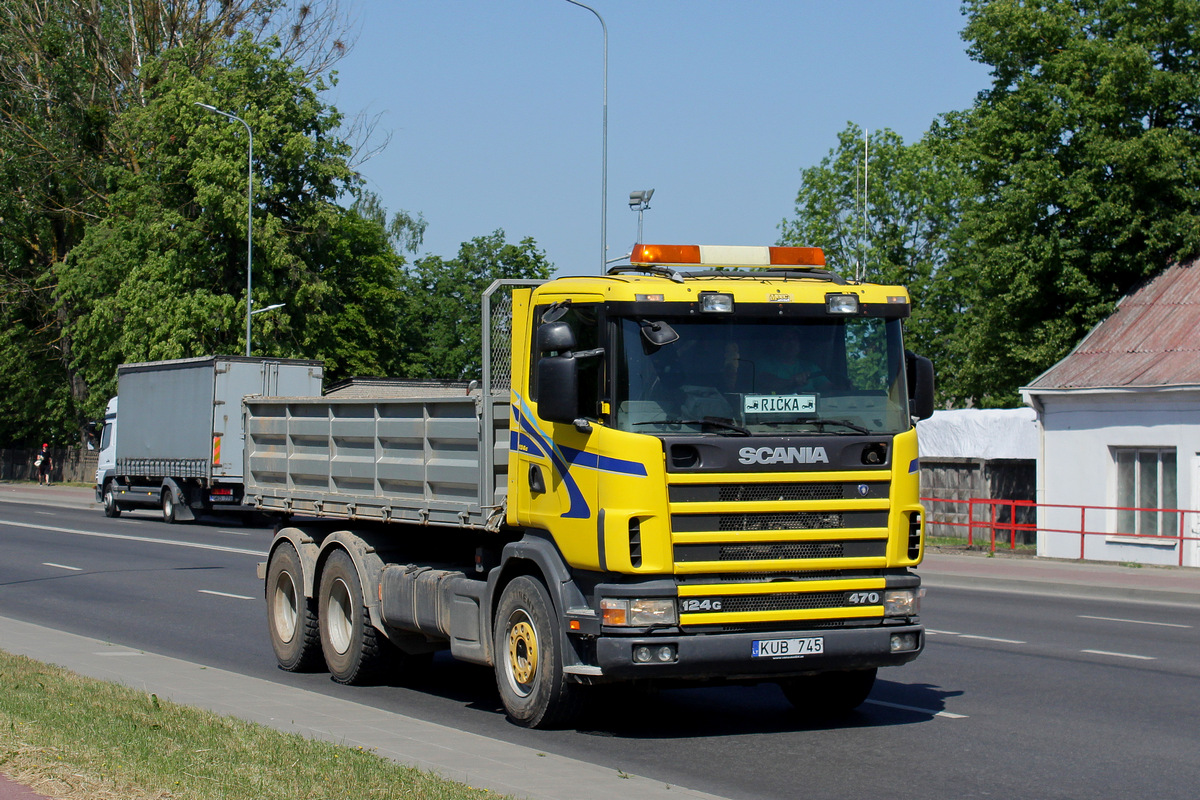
(1119, 420)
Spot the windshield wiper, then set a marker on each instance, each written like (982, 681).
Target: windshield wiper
(721, 423)
(820, 423)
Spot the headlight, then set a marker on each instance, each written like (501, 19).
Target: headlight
(901, 603)
(638, 612)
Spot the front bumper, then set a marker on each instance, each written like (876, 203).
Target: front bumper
(728, 655)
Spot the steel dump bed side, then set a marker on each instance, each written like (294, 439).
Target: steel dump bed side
(426, 460)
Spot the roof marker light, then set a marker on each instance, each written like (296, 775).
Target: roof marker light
(727, 256)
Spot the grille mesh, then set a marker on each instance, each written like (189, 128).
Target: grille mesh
(763, 492)
(783, 602)
(759, 552)
(780, 520)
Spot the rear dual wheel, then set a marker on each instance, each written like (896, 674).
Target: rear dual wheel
(291, 617)
(354, 651)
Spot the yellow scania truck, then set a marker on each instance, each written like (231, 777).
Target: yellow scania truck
(700, 467)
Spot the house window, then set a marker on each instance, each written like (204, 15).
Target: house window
(1146, 481)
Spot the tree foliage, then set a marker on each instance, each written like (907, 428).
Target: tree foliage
(443, 303)
(1084, 162)
(69, 71)
(890, 222)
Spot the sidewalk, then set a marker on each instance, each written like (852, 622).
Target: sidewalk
(56, 494)
(477, 760)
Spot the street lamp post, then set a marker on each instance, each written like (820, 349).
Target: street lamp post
(249, 217)
(603, 145)
(640, 201)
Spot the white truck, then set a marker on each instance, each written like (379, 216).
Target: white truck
(178, 440)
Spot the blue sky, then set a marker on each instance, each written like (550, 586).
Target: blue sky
(495, 108)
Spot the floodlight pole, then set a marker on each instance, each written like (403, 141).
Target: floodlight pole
(249, 217)
(603, 145)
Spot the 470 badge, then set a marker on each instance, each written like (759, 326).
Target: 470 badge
(787, 648)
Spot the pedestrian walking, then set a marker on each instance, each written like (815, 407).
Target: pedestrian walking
(45, 465)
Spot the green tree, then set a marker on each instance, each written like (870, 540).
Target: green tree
(1084, 159)
(69, 70)
(162, 275)
(891, 223)
(443, 303)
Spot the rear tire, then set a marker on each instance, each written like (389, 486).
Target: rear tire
(354, 651)
(529, 663)
(829, 694)
(291, 617)
(111, 509)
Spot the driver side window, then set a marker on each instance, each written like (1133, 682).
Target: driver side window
(584, 321)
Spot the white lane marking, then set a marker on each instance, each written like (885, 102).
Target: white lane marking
(943, 633)
(233, 533)
(225, 594)
(1119, 655)
(61, 566)
(142, 539)
(929, 711)
(990, 639)
(1137, 621)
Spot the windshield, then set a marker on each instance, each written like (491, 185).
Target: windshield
(761, 376)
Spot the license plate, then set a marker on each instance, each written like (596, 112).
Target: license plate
(787, 648)
(221, 498)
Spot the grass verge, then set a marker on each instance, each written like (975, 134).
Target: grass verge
(76, 738)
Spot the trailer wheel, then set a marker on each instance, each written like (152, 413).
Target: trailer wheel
(168, 506)
(829, 694)
(529, 664)
(291, 617)
(354, 651)
(111, 509)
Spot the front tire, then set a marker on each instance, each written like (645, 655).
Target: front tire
(354, 651)
(111, 508)
(168, 506)
(529, 662)
(829, 694)
(291, 617)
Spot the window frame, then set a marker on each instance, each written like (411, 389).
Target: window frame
(1133, 513)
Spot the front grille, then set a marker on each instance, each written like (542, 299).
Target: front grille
(776, 492)
(792, 601)
(771, 551)
(779, 521)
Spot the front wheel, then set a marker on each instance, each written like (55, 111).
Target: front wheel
(529, 662)
(829, 694)
(111, 509)
(291, 617)
(168, 506)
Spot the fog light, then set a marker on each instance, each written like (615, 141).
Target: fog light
(666, 653)
(642, 654)
(904, 641)
(900, 603)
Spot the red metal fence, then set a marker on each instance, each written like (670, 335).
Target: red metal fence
(1013, 522)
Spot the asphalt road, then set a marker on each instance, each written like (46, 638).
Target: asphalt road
(1014, 697)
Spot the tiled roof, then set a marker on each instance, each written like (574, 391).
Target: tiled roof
(1151, 340)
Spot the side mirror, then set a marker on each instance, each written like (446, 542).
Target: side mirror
(555, 337)
(558, 387)
(920, 385)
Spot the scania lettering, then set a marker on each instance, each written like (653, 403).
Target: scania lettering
(783, 455)
(698, 468)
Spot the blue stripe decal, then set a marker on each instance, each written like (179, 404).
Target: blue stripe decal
(533, 440)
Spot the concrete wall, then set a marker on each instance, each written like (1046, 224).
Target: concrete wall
(1077, 467)
(72, 464)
